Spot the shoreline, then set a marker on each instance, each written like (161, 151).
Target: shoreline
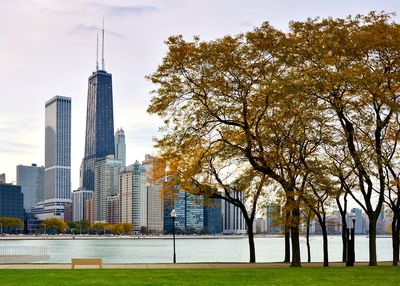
(135, 237)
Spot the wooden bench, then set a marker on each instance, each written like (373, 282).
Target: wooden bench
(86, 261)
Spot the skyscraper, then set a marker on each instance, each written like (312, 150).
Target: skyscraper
(133, 193)
(213, 216)
(273, 214)
(99, 140)
(154, 197)
(120, 147)
(79, 198)
(57, 172)
(233, 220)
(57, 169)
(106, 177)
(31, 180)
(189, 212)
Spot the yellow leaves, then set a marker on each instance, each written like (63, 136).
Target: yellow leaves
(276, 102)
(54, 224)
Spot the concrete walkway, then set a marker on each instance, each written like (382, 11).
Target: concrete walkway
(178, 265)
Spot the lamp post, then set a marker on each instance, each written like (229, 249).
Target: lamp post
(1, 229)
(350, 257)
(173, 216)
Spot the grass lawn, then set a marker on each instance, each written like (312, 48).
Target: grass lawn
(383, 275)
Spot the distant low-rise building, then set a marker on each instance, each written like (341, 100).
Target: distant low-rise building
(358, 221)
(11, 201)
(50, 208)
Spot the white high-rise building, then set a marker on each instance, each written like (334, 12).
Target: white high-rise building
(120, 147)
(155, 209)
(106, 184)
(57, 169)
(133, 196)
(79, 198)
(57, 172)
(233, 220)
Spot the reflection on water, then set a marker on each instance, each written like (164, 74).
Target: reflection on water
(268, 249)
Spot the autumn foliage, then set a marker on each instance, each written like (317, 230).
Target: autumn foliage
(312, 111)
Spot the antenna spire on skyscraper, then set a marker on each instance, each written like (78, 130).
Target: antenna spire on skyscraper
(97, 52)
(102, 49)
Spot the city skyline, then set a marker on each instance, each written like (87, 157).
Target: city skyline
(52, 47)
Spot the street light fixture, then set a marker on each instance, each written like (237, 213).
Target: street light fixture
(173, 216)
(350, 257)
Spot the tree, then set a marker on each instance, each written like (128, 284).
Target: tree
(308, 215)
(233, 94)
(351, 65)
(197, 170)
(99, 227)
(10, 224)
(122, 228)
(317, 197)
(83, 226)
(54, 225)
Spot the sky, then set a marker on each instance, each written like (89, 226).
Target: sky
(48, 48)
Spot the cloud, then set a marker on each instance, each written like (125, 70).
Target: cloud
(9, 146)
(84, 28)
(141, 134)
(14, 134)
(114, 10)
(246, 24)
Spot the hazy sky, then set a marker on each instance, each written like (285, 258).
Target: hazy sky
(48, 48)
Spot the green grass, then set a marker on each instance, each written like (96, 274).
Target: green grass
(383, 275)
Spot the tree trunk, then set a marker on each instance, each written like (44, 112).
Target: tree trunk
(344, 239)
(287, 237)
(294, 231)
(372, 242)
(395, 240)
(343, 211)
(250, 234)
(308, 240)
(325, 243)
(398, 238)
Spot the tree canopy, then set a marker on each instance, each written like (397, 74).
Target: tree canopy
(310, 109)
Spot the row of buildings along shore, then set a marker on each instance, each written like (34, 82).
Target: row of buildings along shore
(110, 191)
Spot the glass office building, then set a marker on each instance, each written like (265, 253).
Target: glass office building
(31, 180)
(11, 201)
(99, 140)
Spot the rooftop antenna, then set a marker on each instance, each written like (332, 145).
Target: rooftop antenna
(102, 49)
(97, 52)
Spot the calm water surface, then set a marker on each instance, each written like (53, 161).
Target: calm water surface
(268, 249)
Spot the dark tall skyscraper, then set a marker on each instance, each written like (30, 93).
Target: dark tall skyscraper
(99, 140)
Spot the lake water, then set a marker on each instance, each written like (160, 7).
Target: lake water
(159, 250)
